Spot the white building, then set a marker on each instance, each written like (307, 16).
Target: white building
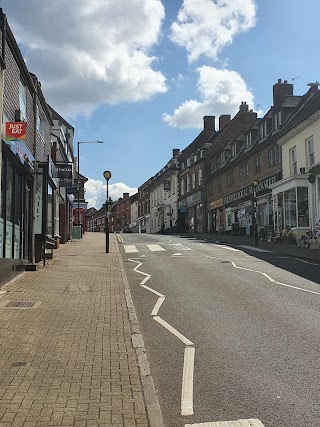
(296, 198)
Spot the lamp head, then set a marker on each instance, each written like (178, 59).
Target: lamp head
(107, 175)
(255, 183)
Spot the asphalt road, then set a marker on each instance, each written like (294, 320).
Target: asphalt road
(230, 333)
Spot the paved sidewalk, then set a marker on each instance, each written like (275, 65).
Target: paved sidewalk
(285, 249)
(74, 359)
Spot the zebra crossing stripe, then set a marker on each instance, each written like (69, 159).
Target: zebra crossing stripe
(130, 249)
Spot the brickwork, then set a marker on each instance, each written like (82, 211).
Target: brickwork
(71, 361)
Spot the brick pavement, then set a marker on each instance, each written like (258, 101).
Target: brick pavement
(71, 361)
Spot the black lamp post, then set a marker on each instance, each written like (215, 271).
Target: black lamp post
(255, 184)
(78, 182)
(107, 176)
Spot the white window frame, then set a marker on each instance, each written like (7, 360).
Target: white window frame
(310, 151)
(23, 99)
(193, 181)
(200, 176)
(188, 183)
(293, 161)
(182, 187)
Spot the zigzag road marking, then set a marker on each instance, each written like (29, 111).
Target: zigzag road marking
(265, 275)
(189, 353)
(238, 423)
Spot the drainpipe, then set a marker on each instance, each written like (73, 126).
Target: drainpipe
(34, 134)
(2, 68)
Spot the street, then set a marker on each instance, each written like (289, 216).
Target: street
(231, 333)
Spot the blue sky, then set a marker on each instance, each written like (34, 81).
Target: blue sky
(141, 74)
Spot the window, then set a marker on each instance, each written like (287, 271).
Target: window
(182, 187)
(188, 183)
(219, 184)
(40, 125)
(274, 155)
(248, 141)
(310, 151)
(244, 171)
(277, 121)
(257, 167)
(233, 150)
(293, 161)
(200, 176)
(263, 130)
(23, 100)
(230, 179)
(193, 180)
(303, 207)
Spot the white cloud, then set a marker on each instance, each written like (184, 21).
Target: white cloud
(221, 92)
(89, 52)
(96, 192)
(205, 27)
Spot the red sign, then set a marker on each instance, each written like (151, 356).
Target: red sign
(16, 130)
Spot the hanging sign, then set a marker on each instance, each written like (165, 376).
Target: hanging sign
(16, 130)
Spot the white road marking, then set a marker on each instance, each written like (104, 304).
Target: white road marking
(187, 382)
(253, 248)
(265, 275)
(157, 306)
(130, 249)
(155, 248)
(307, 262)
(228, 247)
(152, 290)
(188, 365)
(177, 254)
(238, 423)
(172, 330)
(180, 247)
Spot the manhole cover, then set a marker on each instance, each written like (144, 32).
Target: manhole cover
(20, 304)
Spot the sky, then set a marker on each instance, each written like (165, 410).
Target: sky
(140, 75)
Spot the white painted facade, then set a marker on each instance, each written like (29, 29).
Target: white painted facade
(134, 217)
(296, 200)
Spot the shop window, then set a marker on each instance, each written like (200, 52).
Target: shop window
(303, 207)
(290, 208)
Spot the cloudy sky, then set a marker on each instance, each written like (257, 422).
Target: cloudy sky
(140, 75)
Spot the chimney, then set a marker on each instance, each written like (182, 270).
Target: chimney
(244, 107)
(280, 91)
(175, 152)
(223, 120)
(125, 196)
(314, 87)
(209, 123)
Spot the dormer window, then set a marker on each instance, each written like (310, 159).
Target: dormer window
(248, 140)
(195, 158)
(263, 130)
(277, 120)
(233, 150)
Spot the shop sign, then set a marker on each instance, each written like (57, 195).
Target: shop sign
(16, 131)
(62, 170)
(216, 204)
(248, 191)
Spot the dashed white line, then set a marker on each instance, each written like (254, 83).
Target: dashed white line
(155, 248)
(238, 423)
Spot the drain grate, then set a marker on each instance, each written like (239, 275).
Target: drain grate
(20, 304)
(15, 364)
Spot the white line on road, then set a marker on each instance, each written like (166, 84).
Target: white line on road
(173, 330)
(152, 290)
(307, 262)
(252, 248)
(155, 248)
(157, 306)
(265, 275)
(187, 382)
(130, 249)
(238, 423)
(228, 247)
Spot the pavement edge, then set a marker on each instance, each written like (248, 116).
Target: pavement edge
(149, 391)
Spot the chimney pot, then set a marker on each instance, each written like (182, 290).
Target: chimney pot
(209, 123)
(279, 80)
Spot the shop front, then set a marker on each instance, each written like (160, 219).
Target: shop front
(191, 212)
(239, 208)
(215, 218)
(15, 206)
(292, 204)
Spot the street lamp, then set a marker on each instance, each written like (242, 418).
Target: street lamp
(255, 184)
(78, 183)
(107, 176)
